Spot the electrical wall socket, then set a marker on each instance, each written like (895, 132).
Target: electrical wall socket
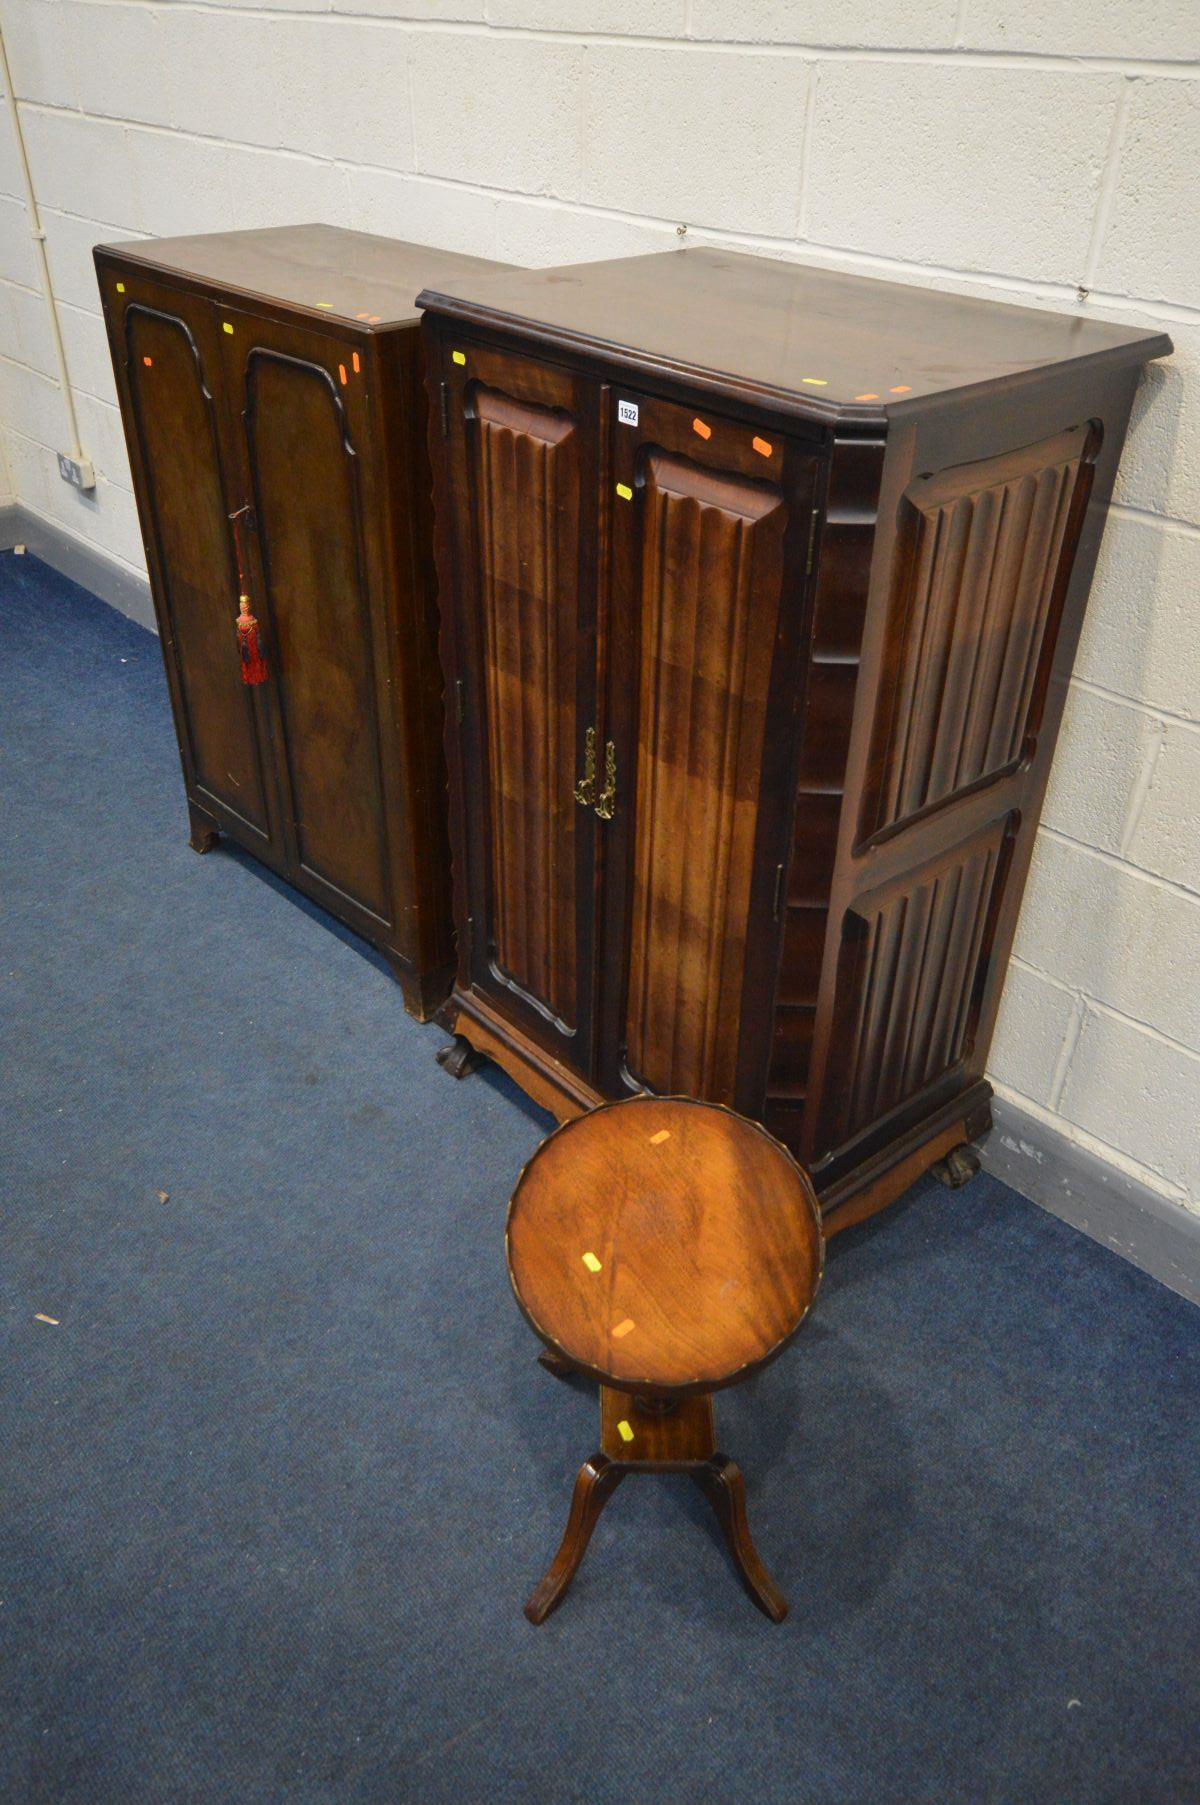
(76, 471)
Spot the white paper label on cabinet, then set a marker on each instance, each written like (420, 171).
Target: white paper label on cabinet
(627, 413)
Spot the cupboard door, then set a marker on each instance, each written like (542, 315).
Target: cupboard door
(522, 440)
(301, 407)
(169, 369)
(710, 535)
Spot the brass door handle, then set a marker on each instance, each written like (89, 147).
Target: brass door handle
(606, 800)
(585, 789)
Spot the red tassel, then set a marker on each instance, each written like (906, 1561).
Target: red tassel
(254, 665)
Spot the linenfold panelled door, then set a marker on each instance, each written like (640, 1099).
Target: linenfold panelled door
(711, 528)
(524, 440)
(631, 603)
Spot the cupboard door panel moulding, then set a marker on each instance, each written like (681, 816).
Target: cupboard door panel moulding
(272, 401)
(168, 353)
(523, 677)
(835, 543)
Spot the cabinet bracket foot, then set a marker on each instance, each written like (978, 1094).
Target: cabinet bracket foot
(958, 1167)
(458, 1057)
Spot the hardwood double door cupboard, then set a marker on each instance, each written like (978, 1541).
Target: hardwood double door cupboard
(760, 587)
(275, 416)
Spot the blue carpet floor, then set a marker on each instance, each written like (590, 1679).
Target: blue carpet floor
(277, 1480)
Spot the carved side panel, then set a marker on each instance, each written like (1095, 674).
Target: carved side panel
(528, 530)
(711, 575)
(909, 982)
(176, 430)
(986, 549)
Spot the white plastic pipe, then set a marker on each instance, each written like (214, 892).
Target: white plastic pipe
(39, 239)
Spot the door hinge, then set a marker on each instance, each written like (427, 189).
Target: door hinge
(812, 540)
(778, 892)
(445, 407)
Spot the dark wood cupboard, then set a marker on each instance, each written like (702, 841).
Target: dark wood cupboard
(760, 591)
(271, 391)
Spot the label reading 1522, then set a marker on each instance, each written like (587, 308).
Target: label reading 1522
(627, 413)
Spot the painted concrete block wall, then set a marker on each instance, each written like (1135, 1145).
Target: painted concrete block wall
(1044, 154)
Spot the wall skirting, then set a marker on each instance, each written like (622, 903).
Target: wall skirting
(1077, 1185)
(82, 562)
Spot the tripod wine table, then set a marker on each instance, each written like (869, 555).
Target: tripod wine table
(666, 1248)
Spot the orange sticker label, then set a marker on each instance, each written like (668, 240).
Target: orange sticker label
(342, 373)
(763, 447)
(357, 365)
(664, 1134)
(147, 361)
(704, 430)
(623, 1328)
(901, 389)
(870, 397)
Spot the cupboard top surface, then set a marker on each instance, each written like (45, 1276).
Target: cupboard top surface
(323, 269)
(840, 343)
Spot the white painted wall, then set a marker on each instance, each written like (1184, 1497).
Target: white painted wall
(1034, 149)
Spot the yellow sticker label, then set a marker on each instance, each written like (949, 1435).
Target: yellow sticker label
(591, 1262)
(227, 327)
(120, 288)
(624, 1431)
(458, 357)
(39, 1317)
(818, 382)
(664, 1134)
(325, 306)
(624, 491)
(622, 1329)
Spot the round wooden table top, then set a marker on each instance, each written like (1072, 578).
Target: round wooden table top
(664, 1245)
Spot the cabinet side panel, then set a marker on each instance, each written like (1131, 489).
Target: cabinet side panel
(711, 576)
(300, 450)
(989, 522)
(176, 432)
(528, 529)
(972, 617)
(909, 982)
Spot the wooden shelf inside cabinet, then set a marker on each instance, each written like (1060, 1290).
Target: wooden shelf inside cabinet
(270, 386)
(760, 589)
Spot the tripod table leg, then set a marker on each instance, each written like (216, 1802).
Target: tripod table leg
(598, 1479)
(720, 1479)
